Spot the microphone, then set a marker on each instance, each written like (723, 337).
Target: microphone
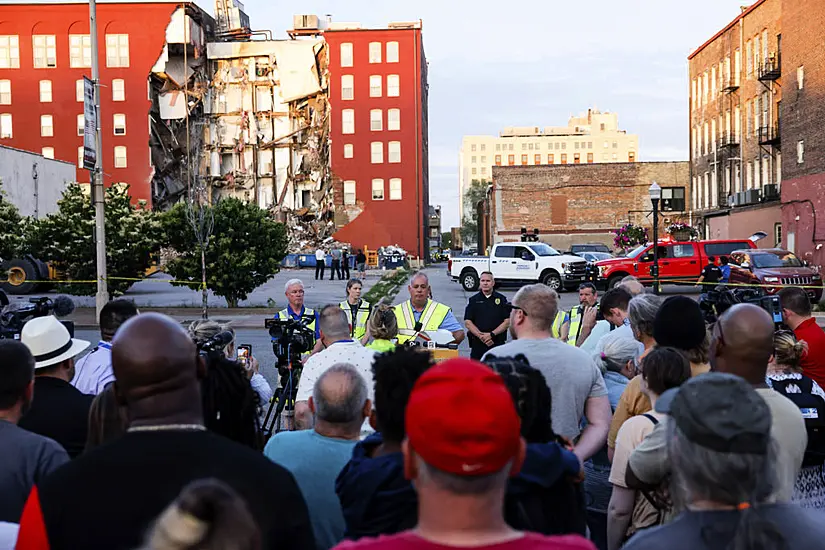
(63, 305)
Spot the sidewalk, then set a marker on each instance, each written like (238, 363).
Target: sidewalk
(85, 318)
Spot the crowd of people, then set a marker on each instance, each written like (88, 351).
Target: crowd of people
(625, 422)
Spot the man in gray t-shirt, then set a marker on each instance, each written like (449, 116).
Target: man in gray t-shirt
(27, 457)
(575, 382)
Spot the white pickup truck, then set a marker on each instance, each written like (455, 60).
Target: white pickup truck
(521, 263)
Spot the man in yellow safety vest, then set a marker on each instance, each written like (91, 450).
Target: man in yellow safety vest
(572, 328)
(357, 310)
(420, 314)
(295, 309)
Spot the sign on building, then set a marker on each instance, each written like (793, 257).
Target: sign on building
(89, 124)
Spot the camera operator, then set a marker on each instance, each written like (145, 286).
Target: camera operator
(231, 403)
(295, 309)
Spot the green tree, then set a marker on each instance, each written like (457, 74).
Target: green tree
(472, 196)
(11, 229)
(243, 252)
(446, 240)
(66, 239)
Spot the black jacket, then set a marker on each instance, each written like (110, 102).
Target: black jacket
(61, 412)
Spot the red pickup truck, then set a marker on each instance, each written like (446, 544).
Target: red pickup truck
(678, 261)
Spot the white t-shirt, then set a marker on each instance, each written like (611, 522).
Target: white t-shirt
(320, 254)
(352, 353)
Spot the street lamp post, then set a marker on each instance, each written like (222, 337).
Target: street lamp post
(655, 196)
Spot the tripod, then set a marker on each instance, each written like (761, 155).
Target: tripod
(281, 413)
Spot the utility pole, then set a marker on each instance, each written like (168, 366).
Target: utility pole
(97, 175)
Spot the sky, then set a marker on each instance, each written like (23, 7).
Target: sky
(535, 63)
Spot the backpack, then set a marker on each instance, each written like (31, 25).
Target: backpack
(800, 390)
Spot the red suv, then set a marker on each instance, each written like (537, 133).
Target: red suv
(769, 266)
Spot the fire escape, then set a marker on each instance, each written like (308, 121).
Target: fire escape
(769, 132)
(728, 154)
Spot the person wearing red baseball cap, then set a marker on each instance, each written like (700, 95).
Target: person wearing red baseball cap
(463, 444)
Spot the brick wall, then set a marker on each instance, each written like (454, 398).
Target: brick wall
(579, 203)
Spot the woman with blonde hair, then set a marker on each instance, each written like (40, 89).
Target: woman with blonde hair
(383, 327)
(785, 376)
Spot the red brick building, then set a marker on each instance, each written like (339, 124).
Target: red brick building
(581, 203)
(45, 51)
(378, 98)
(803, 135)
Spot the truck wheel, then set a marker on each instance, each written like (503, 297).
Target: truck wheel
(552, 280)
(22, 277)
(613, 282)
(469, 281)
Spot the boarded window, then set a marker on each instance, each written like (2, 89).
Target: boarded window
(558, 210)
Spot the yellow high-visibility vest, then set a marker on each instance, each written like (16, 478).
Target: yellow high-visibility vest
(558, 322)
(575, 322)
(284, 315)
(431, 318)
(358, 326)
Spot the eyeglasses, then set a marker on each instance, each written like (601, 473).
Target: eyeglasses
(514, 307)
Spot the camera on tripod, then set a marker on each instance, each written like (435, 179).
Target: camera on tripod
(14, 316)
(717, 301)
(291, 338)
(214, 348)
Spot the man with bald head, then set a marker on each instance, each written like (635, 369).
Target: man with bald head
(339, 403)
(742, 344)
(420, 313)
(109, 497)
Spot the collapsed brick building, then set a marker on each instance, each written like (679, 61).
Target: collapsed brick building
(581, 202)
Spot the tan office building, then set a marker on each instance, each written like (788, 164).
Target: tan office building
(593, 137)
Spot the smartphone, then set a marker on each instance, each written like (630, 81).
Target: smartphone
(244, 353)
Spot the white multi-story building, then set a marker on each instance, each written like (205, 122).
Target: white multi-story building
(593, 137)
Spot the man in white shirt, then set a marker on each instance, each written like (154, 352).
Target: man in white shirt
(614, 305)
(340, 348)
(93, 372)
(320, 259)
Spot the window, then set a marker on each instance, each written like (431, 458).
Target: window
(615, 144)
(748, 119)
(392, 57)
(117, 50)
(376, 120)
(80, 124)
(47, 152)
(377, 152)
(393, 86)
(483, 157)
(78, 90)
(80, 157)
(713, 81)
(800, 78)
(349, 193)
(347, 121)
(120, 124)
(615, 157)
(631, 156)
(394, 152)
(118, 90)
(46, 126)
(800, 151)
(375, 52)
(692, 96)
(498, 147)
(498, 160)
(5, 92)
(777, 234)
(80, 51)
(537, 159)
(346, 54)
(576, 144)
(511, 160)
(375, 85)
(530, 146)
(348, 151)
(9, 52)
(473, 160)
(576, 158)
(524, 160)
(5, 126)
(749, 58)
(347, 87)
(393, 120)
(45, 51)
(606, 144)
(483, 170)
(756, 54)
(713, 134)
(395, 189)
(473, 147)
(551, 159)
(377, 190)
(45, 91)
(737, 122)
(590, 157)
(564, 158)
(737, 67)
(120, 157)
(510, 148)
(673, 199)
(523, 146)
(484, 148)
(475, 171)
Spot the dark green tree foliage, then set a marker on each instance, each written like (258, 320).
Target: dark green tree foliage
(472, 196)
(12, 225)
(244, 251)
(446, 240)
(66, 239)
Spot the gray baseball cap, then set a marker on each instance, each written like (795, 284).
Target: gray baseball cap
(720, 412)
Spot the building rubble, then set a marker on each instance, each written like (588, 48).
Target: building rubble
(238, 114)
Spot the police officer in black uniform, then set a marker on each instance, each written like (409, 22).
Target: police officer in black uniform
(486, 318)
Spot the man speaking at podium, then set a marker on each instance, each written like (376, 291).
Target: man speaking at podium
(420, 314)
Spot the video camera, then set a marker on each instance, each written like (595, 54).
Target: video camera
(717, 301)
(213, 349)
(14, 316)
(291, 338)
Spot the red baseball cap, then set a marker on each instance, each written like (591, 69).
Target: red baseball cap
(462, 420)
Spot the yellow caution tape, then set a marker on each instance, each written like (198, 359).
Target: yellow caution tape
(693, 282)
(133, 279)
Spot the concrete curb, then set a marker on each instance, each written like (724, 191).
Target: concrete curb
(85, 318)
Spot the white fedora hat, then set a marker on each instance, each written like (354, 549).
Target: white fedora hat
(49, 341)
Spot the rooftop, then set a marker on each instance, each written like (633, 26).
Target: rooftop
(744, 12)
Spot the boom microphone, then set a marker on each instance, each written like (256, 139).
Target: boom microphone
(63, 306)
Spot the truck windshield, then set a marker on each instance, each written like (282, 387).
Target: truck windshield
(543, 250)
(636, 252)
(775, 259)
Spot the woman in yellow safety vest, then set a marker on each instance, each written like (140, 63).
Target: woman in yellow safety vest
(357, 310)
(383, 327)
